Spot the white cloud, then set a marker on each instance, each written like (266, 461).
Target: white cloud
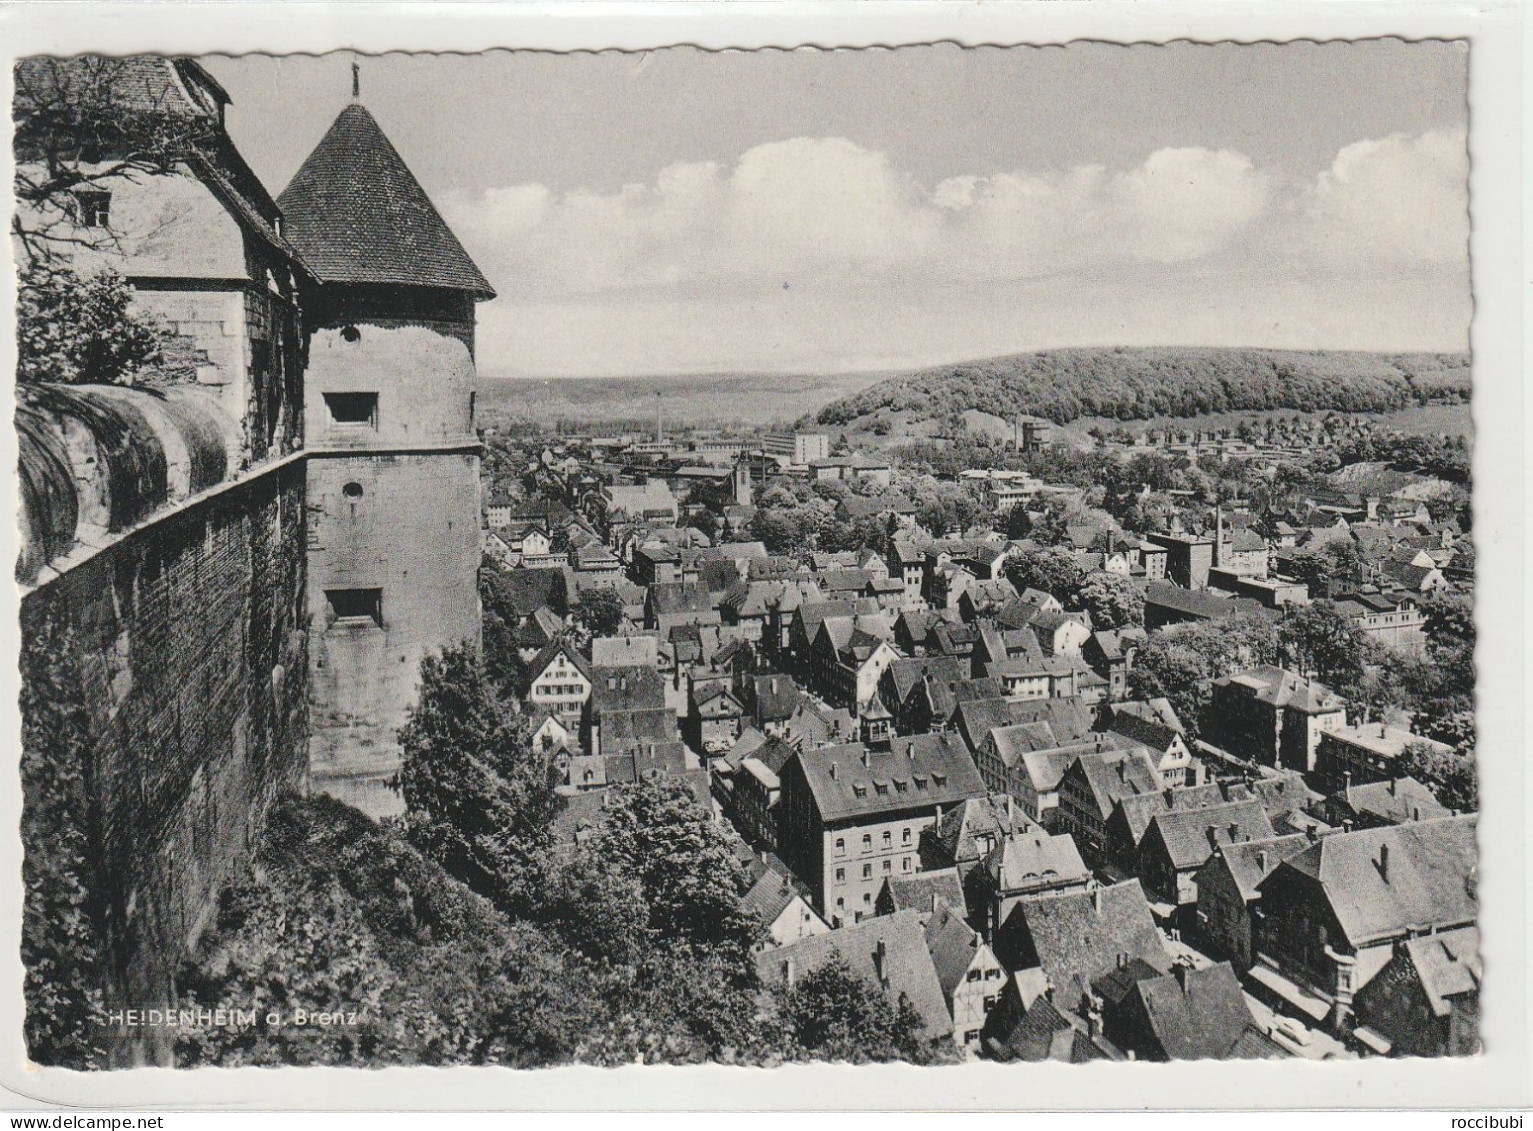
(690, 271)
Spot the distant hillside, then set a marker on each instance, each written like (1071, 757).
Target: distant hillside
(728, 398)
(1132, 384)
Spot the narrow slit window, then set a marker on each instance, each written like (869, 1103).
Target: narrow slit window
(358, 409)
(355, 606)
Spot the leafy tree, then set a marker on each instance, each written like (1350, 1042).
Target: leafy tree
(1113, 600)
(1331, 566)
(834, 1014)
(599, 612)
(1319, 640)
(657, 831)
(476, 793)
(1181, 661)
(1053, 570)
(73, 330)
(1450, 775)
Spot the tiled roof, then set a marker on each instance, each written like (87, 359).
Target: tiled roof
(1140, 810)
(1282, 688)
(996, 815)
(1252, 861)
(921, 770)
(1190, 836)
(626, 689)
(1024, 861)
(1078, 936)
(924, 892)
(554, 648)
(625, 731)
(889, 950)
(1397, 801)
(953, 945)
(1112, 775)
(1430, 878)
(768, 897)
(358, 215)
(1447, 964)
(1196, 1014)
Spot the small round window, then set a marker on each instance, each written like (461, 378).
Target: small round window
(352, 490)
(351, 334)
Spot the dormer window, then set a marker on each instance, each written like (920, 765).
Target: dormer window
(860, 790)
(93, 208)
(939, 778)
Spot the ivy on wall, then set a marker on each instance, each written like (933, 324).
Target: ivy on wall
(59, 932)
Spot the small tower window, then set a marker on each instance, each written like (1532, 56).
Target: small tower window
(352, 491)
(351, 334)
(355, 606)
(359, 409)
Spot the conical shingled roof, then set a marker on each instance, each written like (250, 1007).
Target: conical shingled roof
(358, 215)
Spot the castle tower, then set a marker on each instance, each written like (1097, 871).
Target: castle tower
(393, 471)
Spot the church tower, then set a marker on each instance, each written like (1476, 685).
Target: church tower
(393, 468)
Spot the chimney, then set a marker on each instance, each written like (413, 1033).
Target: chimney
(833, 771)
(880, 955)
(1234, 831)
(787, 972)
(1096, 900)
(1261, 860)
(1391, 787)
(1170, 797)
(1384, 862)
(1182, 970)
(1312, 833)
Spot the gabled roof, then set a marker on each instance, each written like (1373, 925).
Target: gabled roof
(851, 781)
(925, 892)
(1140, 810)
(557, 647)
(1190, 836)
(1252, 861)
(358, 215)
(767, 898)
(889, 950)
(1111, 775)
(1428, 880)
(953, 945)
(1447, 965)
(776, 696)
(1196, 1014)
(1078, 936)
(1029, 860)
(996, 815)
(626, 689)
(1396, 801)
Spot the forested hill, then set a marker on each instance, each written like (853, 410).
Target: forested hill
(1132, 384)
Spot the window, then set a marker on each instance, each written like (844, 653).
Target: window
(867, 897)
(905, 835)
(992, 974)
(867, 871)
(888, 865)
(353, 606)
(989, 1002)
(93, 208)
(352, 491)
(840, 846)
(888, 838)
(867, 842)
(970, 1036)
(905, 864)
(353, 408)
(840, 877)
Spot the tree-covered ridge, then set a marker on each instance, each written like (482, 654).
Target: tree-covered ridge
(1132, 384)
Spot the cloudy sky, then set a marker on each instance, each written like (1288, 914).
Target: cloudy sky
(681, 211)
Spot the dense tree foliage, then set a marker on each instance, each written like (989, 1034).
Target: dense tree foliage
(833, 1014)
(1051, 569)
(1181, 661)
(1128, 384)
(1113, 600)
(1318, 640)
(74, 329)
(598, 612)
(476, 791)
(1450, 775)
